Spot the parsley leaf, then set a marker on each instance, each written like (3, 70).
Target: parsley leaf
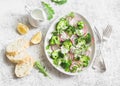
(40, 68)
(49, 10)
(60, 2)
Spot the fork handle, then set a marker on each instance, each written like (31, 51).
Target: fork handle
(98, 63)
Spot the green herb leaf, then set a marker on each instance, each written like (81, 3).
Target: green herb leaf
(60, 2)
(40, 68)
(49, 10)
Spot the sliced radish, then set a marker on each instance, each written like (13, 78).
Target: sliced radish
(74, 63)
(88, 52)
(72, 38)
(93, 40)
(64, 36)
(55, 47)
(85, 30)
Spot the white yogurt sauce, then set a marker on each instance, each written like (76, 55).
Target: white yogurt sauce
(37, 14)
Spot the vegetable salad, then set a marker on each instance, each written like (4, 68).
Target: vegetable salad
(70, 43)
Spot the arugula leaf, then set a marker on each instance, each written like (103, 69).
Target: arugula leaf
(49, 10)
(60, 2)
(40, 68)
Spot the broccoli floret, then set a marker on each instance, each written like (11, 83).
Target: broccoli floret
(54, 40)
(70, 30)
(62, 24)
(85, 60)
(77, 58)
(67, 44)
(80, 40)
(57, 61)
(88, 38)
(57, 54)
(80, 25)
(55, 33)
(66, 65)
(74, 69)
(54, 54)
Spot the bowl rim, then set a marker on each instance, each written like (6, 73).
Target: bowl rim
(91, 62)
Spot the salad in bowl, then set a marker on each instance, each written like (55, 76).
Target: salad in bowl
(69, 44)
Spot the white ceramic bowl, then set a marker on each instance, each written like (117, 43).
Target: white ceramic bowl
(49, 34)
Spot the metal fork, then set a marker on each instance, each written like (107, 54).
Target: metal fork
(99, 63)
(107, 33)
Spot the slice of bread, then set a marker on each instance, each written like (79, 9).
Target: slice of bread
(24, 68)
(16, 47)
(19, 58)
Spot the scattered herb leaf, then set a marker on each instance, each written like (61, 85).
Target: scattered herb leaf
(49, 10)
(60, 2)
(40, 68)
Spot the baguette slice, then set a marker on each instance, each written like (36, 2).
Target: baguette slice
(24, 68)
(16, 47)
(19, 58)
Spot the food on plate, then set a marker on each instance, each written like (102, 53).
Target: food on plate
(22, 28)
(16, 47)
(23, 69)
(19, 58)
(73, 41)
(36, 38)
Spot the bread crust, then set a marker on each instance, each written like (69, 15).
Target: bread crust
(16, 47)
(23, 69)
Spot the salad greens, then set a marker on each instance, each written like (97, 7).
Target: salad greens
(88, 38)
(60, 2)
(49, 10)
(80, 25)
(73, 44)
(62, 25)
(40, 68)
(67, 44)
(70, 30)
(54, 40)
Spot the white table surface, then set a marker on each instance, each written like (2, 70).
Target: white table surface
(98, 12)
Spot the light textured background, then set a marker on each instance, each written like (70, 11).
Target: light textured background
(98, 12)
